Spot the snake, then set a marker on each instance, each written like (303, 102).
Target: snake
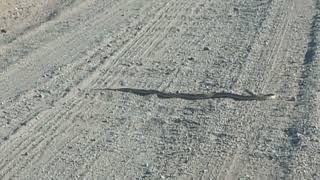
(194, 96)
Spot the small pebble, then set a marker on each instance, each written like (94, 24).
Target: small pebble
(206, 48)
(3, 31)
(292, 99)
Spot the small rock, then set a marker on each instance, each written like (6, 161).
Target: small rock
(191, 58)
(206, 48)
(5, 138)
(38, 96)
(292, 99)
(3, 31)
(23, 123)
(148, 171)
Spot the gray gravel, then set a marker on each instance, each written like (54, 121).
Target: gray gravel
(54, 126)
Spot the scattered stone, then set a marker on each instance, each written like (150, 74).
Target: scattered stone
(41, 95)
(5, 138)
(138, 28)
(191, 58)
(122, 83)
(148, 172)
(292, 99)
(23, 123)
(206, 49)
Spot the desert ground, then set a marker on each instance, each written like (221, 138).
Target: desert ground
(58, 120)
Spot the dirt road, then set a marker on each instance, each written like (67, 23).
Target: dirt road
(54, 125)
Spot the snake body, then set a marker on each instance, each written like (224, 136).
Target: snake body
(191, 96)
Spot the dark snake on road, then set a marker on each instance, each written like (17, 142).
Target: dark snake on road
(190, 96)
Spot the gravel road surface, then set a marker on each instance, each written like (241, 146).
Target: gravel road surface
(55, 55)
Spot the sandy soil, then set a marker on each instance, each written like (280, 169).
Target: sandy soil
(54, 125)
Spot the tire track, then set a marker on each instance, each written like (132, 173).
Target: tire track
(93, 150)
(85, 173)
(56, 140)
(42, 136)
(57, 137)
(245, 79)
(51, 135)
(80, 64)
(25, 45)
(268, 55)
(179, 143)
(194, 129)
(173, 128)
(114, 59)
(75, 72)
(274, 59)
(248, 62)
(276, 45)
(123, 138)
(304, 123)
(144, 44)
(144, 47)
(21, 112)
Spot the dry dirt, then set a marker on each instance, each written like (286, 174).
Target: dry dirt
(53, 53)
